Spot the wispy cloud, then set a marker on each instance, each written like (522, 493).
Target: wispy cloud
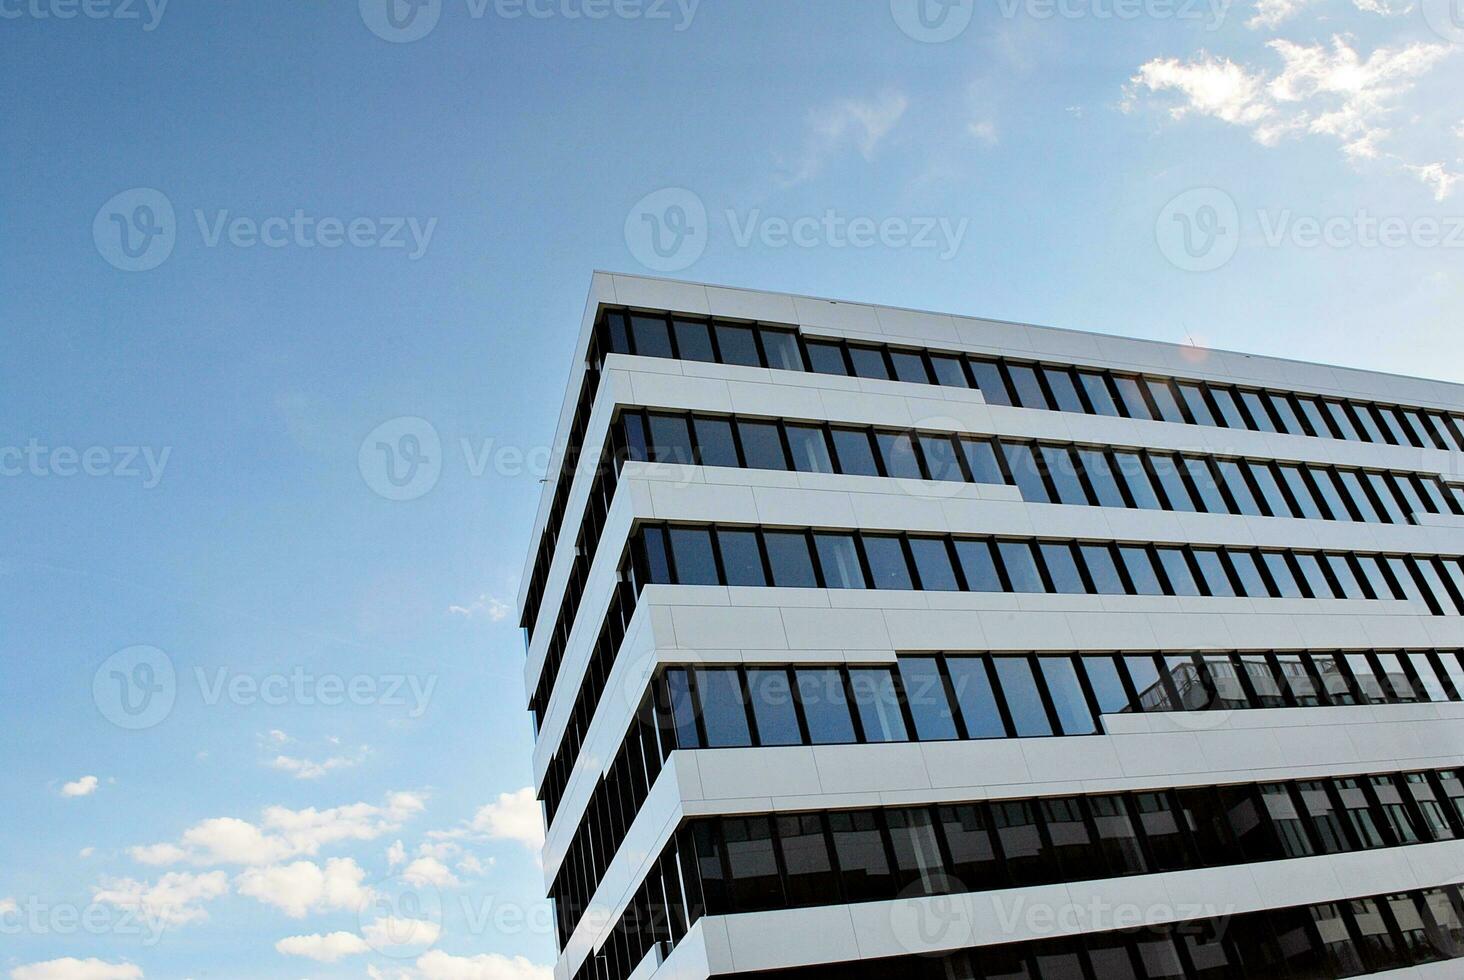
(492, 608)
(174, 899)
(860, 124)
(281, 834)
(1331, 91)
(70, 968)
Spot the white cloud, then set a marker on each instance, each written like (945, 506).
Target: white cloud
(281, 834)
(862, 124)
(1321, 90)
(395, 854)
(513, 816)
(86, 852)
(1273, 13)
(1437, 178)
(310, 769)
(432, 871)
(494, 608)
(85, 786)
(68, 968)
(278, 737)
(437, 965)
(392, 932)
(305, 886)
(323, 949)
(174, 899)
(984, 130)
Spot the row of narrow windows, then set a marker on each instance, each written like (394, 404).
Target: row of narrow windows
(935, 697)
(676, 554)
(1043, 472)
(765, 862)
(1049, 473)
(740, 555)
(1349, 938)
(1002, 381)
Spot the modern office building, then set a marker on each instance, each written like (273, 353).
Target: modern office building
(865, 642)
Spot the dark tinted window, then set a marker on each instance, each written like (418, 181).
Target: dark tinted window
(1140, 567)
(810, 878)
(1194, 400)
(909, 366)
(714, 442)
(978, 566)
(738, 345)
(1102, 569)
(741, 557)
(1029, 391)
(897, 451)
(1233, 477)
(1167, 471)
(762, 446)
(670, 439)
(1270, 490)
(1064, 389)
(1019, 689)
(693, 340)
(1021, 567)
(974, 695)
(1101, 478)
(1136, 476)
(651, 335)
(1213, 572)
(1073, 713)
(989, 380)
(1229, 407)
(856, 456)
(933, 564)
(940, 457)
(1107, 685)
(1022, 465)
(1177, 570)
(1099, 396)
(949, 370)
(1059, 464)
(878, 705)
(926, 695)
(752, 864)
(772, 707)
(868, 362)
(781, 349)
(1260, 417)
(810, 449)
(825, 706)
(691, 547)
(981, 460)
(887, 562)
(1164, 400)
(839, 561)
(788, 554)
(860, 849)
(723, 712)
(1131, 396)
(826, 357)
(1062, 569)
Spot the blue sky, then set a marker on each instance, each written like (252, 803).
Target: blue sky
(239, 238)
